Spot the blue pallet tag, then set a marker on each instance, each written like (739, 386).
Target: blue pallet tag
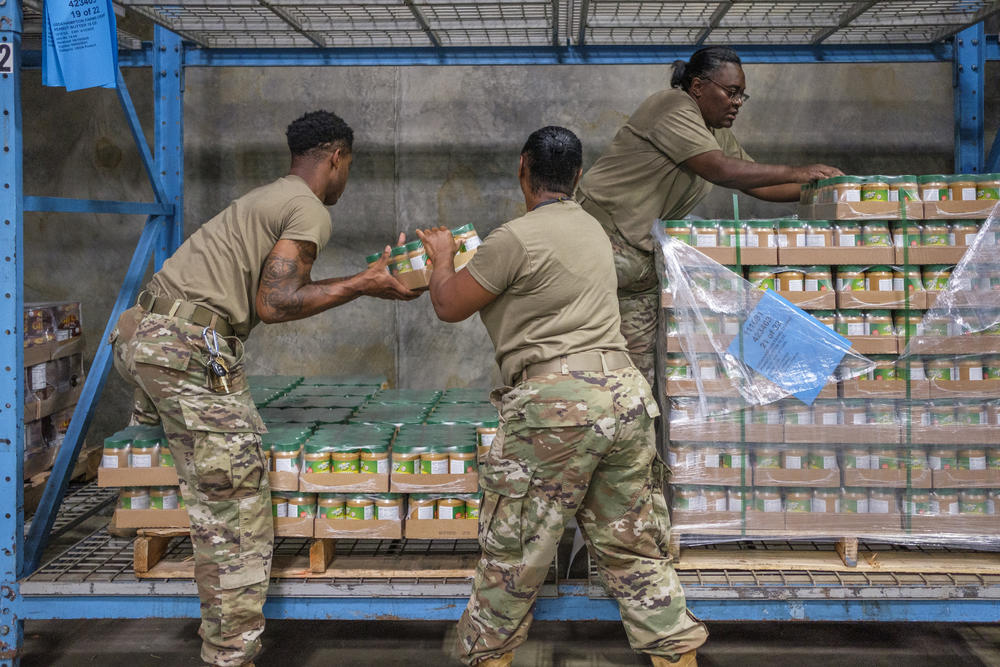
(79, 44)
(789, 347)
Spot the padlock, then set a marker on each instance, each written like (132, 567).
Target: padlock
(218, 376)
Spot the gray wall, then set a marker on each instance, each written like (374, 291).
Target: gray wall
(433, 146)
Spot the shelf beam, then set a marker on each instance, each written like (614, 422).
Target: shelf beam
(969, 87)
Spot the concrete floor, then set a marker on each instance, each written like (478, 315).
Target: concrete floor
(391, 644)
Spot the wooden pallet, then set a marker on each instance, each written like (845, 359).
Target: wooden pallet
(846, 547)
(151, 545)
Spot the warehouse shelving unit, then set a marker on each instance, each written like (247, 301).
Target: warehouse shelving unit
(92, 580)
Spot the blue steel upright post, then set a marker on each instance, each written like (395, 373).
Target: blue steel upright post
(970, 79)
(168, 105)
(11, 336)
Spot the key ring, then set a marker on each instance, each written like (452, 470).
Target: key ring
(212, 351)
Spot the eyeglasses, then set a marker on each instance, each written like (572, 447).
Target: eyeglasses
(734, 94)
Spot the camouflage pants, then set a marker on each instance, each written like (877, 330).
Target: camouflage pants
(638, 302)
(215, 441)
(579, 445)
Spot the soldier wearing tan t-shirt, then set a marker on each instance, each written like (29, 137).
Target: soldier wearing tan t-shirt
(661, 164)
(576, 436)
(250, 263)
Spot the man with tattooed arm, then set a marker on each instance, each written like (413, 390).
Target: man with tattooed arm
(181, 345)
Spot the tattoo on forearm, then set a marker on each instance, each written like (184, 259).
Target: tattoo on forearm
(281, 279)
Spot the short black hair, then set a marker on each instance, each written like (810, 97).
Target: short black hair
(553, 155)
(703, 62)
(318, 130)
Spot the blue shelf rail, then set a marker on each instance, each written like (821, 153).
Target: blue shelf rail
(162, 232)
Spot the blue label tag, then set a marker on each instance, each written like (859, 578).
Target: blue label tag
(79, 44)
(789, 347)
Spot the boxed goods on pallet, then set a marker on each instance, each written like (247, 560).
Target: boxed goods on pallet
(409, 262)
(902, 444)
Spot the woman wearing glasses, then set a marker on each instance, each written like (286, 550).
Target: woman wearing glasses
(662, 163)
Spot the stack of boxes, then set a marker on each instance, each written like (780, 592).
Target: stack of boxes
(53, 379)
(910, 450)
(348, 459)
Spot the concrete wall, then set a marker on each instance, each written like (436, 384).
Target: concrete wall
(433, 146)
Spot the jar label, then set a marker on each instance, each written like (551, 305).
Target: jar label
(167, 502)
(771, 505)
(975, 463)
(976, 373)
(816, 240)
(792, 462)
(279, 510)
(848, 240)
(387, 513)
(831, 419)
(354, 465)
(708, 372)
(38, 377)
(446, 512)
(460, 466)
(859, 418)
(486, 439)
(136, 503)
(418, 263)
(425, 512)
(109, 461)
(794, 285)
(318, 466)
(141, 460)
(930, 194)
(876, 506)
(286, 465)
(711, 460)
(705, 240)
(403, 467)
(735, 503)
(471, 244)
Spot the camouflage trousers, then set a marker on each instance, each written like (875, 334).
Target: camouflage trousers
(638, 302)
(216, 445)
(580, 444)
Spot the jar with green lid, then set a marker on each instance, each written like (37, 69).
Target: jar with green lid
(903, 188)
(943, 413)
(909, 326)
(940, 368)
(851, 323)
(854, 500)
(422, 506)
(942, 458)
(434, 460)
(301, 505)
(286, 456)
(791, 234)
(359, 507)
(855, 412)
(732, 234)
(166, 456)
(875, 188)
(134, 498)
(880, 323)
(875, 234)
(881, 411)
(374, 458)
(822, 457)
(117, 450)
(468, 238)
(145, 451)
(676, 367)
(907, 279)
(417, 255)
(935, 277)
(991, 367)
(767, 499)
(857, 457)
(936, 326)
(851, 279)
(331, 506)
(933, 187)
(988, 187)
(935, 233)
(972, 501)
(462, 459)
(846, 188)
(767, 457)
(473, 501)
(279, 504)
(450, 508)
(818, 279)
(944, 501)
(964, 232)
(163, 498)
(907, 234)
(762, 277)
(885, 367)
(819, 234)
(882, 501)
(879, 278)
(962, 187)
(678, 229)
(388, 506)
(798, 500)
(406, 458)
(316, 458)
(760, 234)
(848, 234)
(884, 457)
(399, 261)
(970, 414)
(706, 233)
(373, 259)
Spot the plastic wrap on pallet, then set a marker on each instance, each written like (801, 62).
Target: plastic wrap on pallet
(903, 448)
(744, 342)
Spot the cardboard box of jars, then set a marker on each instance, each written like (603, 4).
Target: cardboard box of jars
(955, 515)
(929, 196)
(409, 263)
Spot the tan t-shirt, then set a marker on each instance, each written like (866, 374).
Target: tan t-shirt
(219, 265)
(639, 179)
(555, 276)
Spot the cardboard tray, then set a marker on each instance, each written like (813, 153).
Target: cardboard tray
(151, 518)
(955, 435)
(956, 524)
(711, 476)
(765, 520)
(977, 209)
(896, 479)
(954, 345)
(467, 483)
(419, 280)
(841, 525)
(964, 389)
(782, 477)
(727, 256)
(722, 388)
(161, 476)
(967, 479)
(834, 255)
(358, 530)
(875, 344)
(726, 432)
(293, 526)
(341, 482)
(58, 349)
(929, 255)
(866, 210)
(856, 388)
(442, 529)
(883, 300)
(283, 481)
(702, 344)
(709, 521)
(811, 300)
(867, 434)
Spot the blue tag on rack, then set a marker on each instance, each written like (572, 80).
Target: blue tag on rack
(79, 44)
(789, 347)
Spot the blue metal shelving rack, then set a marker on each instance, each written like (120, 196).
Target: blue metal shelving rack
(94, 580)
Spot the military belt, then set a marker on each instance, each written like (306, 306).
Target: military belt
(579, 361)
(186, 311)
